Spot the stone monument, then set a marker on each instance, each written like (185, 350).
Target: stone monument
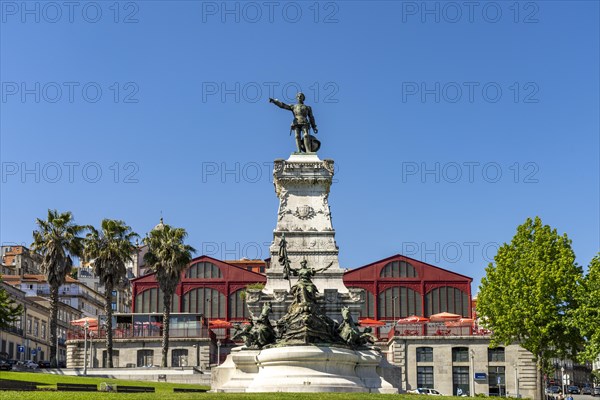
(305, 338)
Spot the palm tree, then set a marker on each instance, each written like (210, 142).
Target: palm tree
(109, 250)
(167, 257)
(57, 240)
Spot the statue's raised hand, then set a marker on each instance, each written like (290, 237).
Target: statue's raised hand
(271, 100)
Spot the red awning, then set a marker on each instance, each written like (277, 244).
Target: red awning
(81, 322)
(370, 322)
(219, 323)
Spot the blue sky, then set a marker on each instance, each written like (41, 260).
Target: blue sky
(449, 124)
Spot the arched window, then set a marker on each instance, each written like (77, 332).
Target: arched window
(206, 301)
(237, 305)
(203, 270)
(447, 299)
(399, 302)
(398, 269)
(151, 301)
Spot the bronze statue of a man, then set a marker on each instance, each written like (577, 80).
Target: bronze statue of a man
(303, 121)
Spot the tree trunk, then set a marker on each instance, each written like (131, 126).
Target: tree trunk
(53, 325)
(540, 381)
(109, 331)
(165, 339)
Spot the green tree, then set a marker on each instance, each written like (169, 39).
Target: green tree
(9, 310)
(587, 315)
(529, 291)
(109, 250)
(57, 239)
(167, 257)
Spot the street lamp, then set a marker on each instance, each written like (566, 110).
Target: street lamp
(516, 378)
(562, 376)
(472, 380)
(92, 352)
(197, 350)
(86, 325)
(218, 353)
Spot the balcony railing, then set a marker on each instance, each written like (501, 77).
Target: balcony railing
(436, 329)
(14, 329)
(76, 293)
(143, 332)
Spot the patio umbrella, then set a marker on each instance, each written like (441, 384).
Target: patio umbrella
(219, 323)
(461, 322)
(443, 317)
(370, 322)
(80, 322)
(413, 319)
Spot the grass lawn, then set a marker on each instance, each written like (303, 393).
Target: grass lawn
(48, 382)
(164, 391)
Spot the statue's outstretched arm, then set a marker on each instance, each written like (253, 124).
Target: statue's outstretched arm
(280, 104)
(311, 118)
(325, 268)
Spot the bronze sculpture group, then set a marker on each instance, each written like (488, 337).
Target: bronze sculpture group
(305, 321)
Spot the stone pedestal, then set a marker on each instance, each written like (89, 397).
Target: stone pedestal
(301, 369)
(302, 184)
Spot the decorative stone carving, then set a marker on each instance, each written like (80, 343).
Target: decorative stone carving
(304, 212)
(356, 294)
(279, 295)
(331, 295)
(252, 295)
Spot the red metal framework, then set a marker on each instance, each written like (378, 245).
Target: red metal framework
(428, 277)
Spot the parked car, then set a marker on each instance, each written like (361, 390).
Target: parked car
(586, 390)
(596, 391)
(26, 364)
(431, 392)
(5, 366)
(553, 390)
(573, 389)
(44, 364)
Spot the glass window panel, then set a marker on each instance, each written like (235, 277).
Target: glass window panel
(443, 299)
(496, 354)
(465, 304)
(425, 377)
(460, 381)
(460, 354)
(424, 354)
(493, 374)
(403, 302)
